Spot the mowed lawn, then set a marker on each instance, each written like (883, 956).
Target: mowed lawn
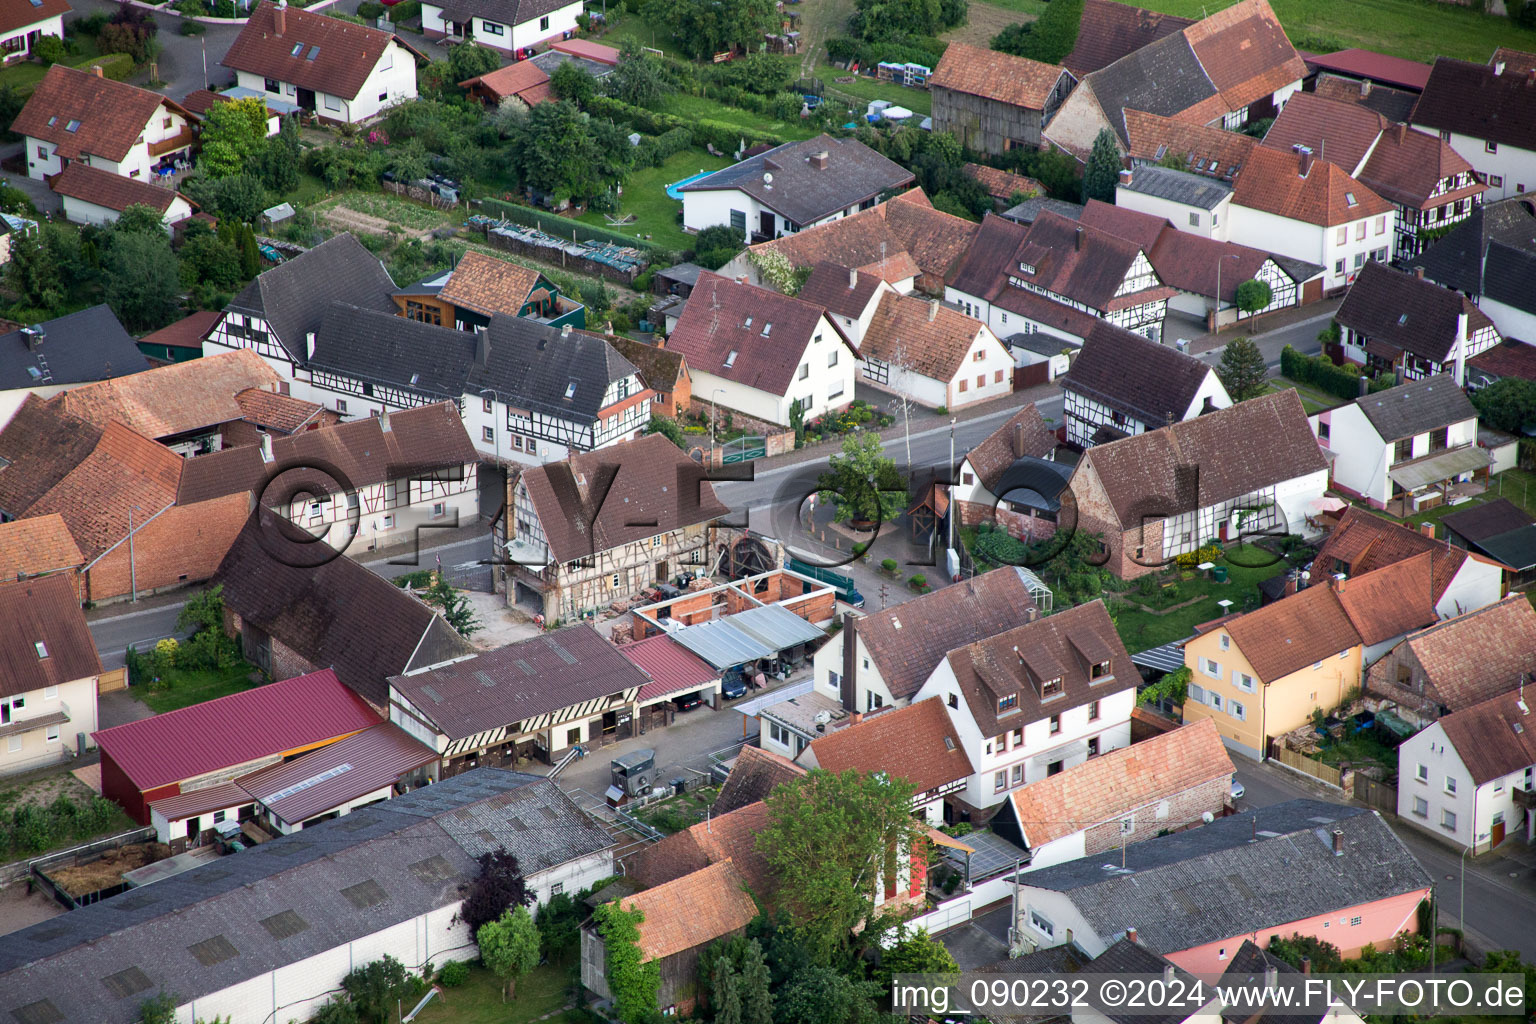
(545, 990)
(645, 196)
(866, 89)
(187, 687)
(1416, 29)
(712, 110)
(1246, 565)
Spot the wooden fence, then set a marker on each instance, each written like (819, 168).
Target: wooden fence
(110, 682)
(1378, 794)
(1324, 773)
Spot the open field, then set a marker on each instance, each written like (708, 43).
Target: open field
(1416, 29)
(986, 20)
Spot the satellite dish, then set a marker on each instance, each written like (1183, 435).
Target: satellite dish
(767, 178)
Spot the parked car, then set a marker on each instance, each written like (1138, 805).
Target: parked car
(688, 702)
(1237, 791)
(733, 685)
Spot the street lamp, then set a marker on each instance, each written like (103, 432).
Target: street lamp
(952, 510)
(712, 408)
(1216, 308)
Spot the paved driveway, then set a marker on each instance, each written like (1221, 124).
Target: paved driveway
(181, 58)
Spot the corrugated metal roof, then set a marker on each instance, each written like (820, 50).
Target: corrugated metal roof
(201, 801)
(672, 668)
(776, 626)
(345, 770)
(722, 644)
(237, 729)
(1166, 658)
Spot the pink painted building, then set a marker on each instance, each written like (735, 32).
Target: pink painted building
(1305, 866)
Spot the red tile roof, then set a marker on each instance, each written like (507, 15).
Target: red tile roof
(1363, 542)
(1489, 103)
(671, 666)
(1342, 132)
(844, 291)
(272, 411)
(1109, 30)
(1293, 632)
(588, 50)
(488, 285)
(929, 338)
(1154, 138)
(731, 836)
(35, 545)
(1077, 261)
(917, 743)
(1408, 165)
(1271, 181)
(1511, 359)
(510, 80)
(1003, 185)
(1478, 655)
(691, 911)
(1378, 67)
(15, 14)
(754, 775)
(363, 762)
(347, 53)
(108, 116)
(243, 727)
(172, 399)
(1115, 783)
(1244, 52)
(1015, 81)
(1393, 600)
(113, 191)
(45, 611)
(1024, 433)
(1495, 738)
(188, 332)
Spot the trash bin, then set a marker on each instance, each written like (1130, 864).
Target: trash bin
(1219, 574)
(679, 786)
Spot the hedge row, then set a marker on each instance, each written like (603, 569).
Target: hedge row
(915, 50)
(1321, 373)
(723, 136)
(560, 227)
(653, 151)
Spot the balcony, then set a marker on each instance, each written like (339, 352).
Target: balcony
(1524, 797)
(171, 143)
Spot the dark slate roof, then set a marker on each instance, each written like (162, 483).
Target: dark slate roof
(1509, 276)
(802, 192)
(1179, 186)
(1456, 260)
(293, 898)
(1515, 548)
(1165, 382)
(1416, 407)
(520, 681)
(1034, 483)
(1108, 31)
(507, 12)
(383, 348)
(1477, 100)
(294, 297)
(1238, 875)
(1163, 77)
(77, 348)
(1029, 209)
(1126, 958)
(330, 609)
(1479, 522)
(1406, 313)
(1247, 968)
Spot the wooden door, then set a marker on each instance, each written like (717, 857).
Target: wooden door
(1498, 833)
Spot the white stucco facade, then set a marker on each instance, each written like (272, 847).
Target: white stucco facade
(1506, 170)
(78, 211)
(823, 382)
(1511, 321)
(1196, 220)
(392, 81)
(1436, 792)
(870, 689)
(17, 44)
(1363, 459)
(44, 744)
(163, 136)
(1341, 250)
(498, 34)
(729, 206)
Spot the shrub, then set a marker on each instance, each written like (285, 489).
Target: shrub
(405, 10)
(889, 564)
(454, 974)
(919, 582)
(1321, 373)
(50, 50)
(1207, 553)
(191, 28)
(370, 9)
(999, 548)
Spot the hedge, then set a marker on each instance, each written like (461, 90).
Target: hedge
(723, 136)
(560, 227)
(1321, 373)
(914, 50)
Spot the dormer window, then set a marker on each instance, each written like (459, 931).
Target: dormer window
(1051, 687)
(1028, 268)
(1007, 703)
(1099, 670)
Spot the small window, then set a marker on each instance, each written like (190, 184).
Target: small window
(832, 358)
(570, 390)
(1350, 200)
(557, 889)
(805, 370)
(1226, 642)
(1017, 775)
(1000, 781)
(1093, 711)
(730, 360)
(488, 433)
(1007, 703)
(50, 692)
(1237, 711)
(615, 581)
(218, 816)
(298, 48)
(52, 735)
(1448, 820)
(332, 103)
(954, 700)
(1421, 772)
(486, 405)
(13, 743)
(1490, 147)
(1450, 784)
(41, 648)
(73, 126)
(389, 522)
(1421, 807)
(1055, 724)
(1041, 925)
(1194, 220)
(963, 384)
(997, 377)
(271, 86)
(439, 509)
(1496, 180)
(1216, 701)
(341, 405)
(1341, 236)
(544, 24)
(493, 29)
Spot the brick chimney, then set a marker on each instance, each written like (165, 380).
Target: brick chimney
(855, 718)
(1292, 583)
(1428, 530)
(96, 70)
(848, 692)
(819, 160)
(1402, 130)
(1125, 178)
(1303, 160)
(1337, 582)
(1418, 272)
(280, 18)
(1306, 965)
(1079, 238)
(933, 309)
(1130, 933)
(1018, 441)
(1338, 842)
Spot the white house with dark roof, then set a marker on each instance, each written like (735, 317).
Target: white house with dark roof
(1196, 203)
(1487, 112)
(269, 934)
(792, 187)
(1036, 700)
(23, 23)
(1102, 402)
(1491, 259)
(507, 25)
(1395, 322)
(1412, 442)
(78, 348)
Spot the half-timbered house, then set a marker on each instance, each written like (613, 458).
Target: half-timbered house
(1121, 385)
(994, 101)
(537, 698)
(1056, 276)
(601, 526)
(479, 287)
(1396, 322)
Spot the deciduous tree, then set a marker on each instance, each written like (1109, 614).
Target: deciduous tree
(1253, 295)
(861, 483)
(498, 888)
(471, 60)
(375, 989)
(915, 952)
(1508, 404)
(573, 82)
(509, 946)
(234, 132)
(634, 983)
(141, 280)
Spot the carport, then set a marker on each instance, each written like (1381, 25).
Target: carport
(675, 671)
(751, 640)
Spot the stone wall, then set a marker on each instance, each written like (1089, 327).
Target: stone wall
(1176, 812)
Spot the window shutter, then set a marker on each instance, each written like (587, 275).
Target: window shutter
(1196, 693)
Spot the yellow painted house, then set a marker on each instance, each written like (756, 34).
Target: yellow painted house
(1259, 675)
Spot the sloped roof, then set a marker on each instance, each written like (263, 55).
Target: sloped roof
(1480, 101)
(1396, 105)
(659, 368)
(38, 448)
(725, 837)
(291, 899)
(1377, 67)
(1511, 358)
(1480, 522)
(188, 332)
(1286, 636)
(243, 727)
(79, 347)
(330, 609)
(908, 642)
(1210, 883)
(1164, 77)
(691, 911)
(1343, 132)
(533, 677)
(1142, 228)
(1153, 137)
(671, 666)
(843, 291)
(989, 256)
(508, 12)
(1456, 260)
(1495, 738)
(598, 500)
(1003, 185)
(324, 779)
(1188, 262)
(917, 743)
(801, 191)
(108, 116)
(1018, 661)
(1408, 313)
(313, 52)
(1507, 274)
(1363, 542)
(15, 14)
(762, 334)
(294, 296)
(1239, 450)
(1416, 406)
(39, 544)
(273, 411)
(488, 285)
(754, 775)
(1077, 261)
(173, 399)
(512, 80)
(1110, 30)
(1408, 165)
(1023, 433)
(113, 191)
(924, 335)
(44, 612)
(1393, 600)
(1245, 52)
(1271, 181)
(1165, 382)
(1001, 77)
(1121, 781)
(1476, 656)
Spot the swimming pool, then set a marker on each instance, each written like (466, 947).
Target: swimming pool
(672, 189)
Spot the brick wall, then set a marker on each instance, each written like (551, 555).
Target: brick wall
(1381, 680)
(182, 545)
(1095, 514)
(1178, 811)
(1018, 525)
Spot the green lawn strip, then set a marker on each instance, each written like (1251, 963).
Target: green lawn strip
(1416, 29)
(703, 108)
(919, 101)
(543, 990)
(1035, 7)
(645, 196)
(187, 687)
(633, 26)
(1141, 630)
(1312, 400)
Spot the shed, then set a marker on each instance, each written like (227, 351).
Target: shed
(277, 214)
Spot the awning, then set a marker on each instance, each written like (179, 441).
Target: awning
(954, 844)
(750, 708)
(1167, 658)
(1438, 468)
(30, 724)
(1382, 350)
